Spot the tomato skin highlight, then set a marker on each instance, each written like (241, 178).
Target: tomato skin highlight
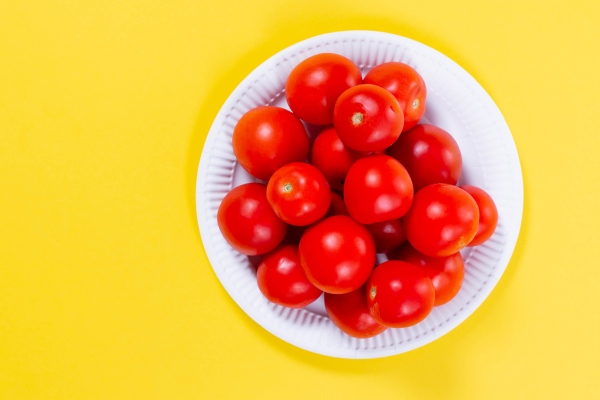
(248, 222)
(337, 254)
(299, 194)
(407, 86)
(368, 118)
(488, 214)
(399, 294)
(282, 281)
(315, 84)
(443, 219)
(377, 188)
(267, 138)
(429, 154)
(350, 313)
(446, 273)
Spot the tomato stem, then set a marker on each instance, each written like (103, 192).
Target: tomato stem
(357, 118)
(287, 187)
(415, 103)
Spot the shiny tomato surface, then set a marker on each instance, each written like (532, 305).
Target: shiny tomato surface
(337, 254)
(247, 221)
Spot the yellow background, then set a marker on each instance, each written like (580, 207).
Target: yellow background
(105, 289)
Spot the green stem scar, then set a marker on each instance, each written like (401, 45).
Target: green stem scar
(287, 187)
(415, 103)
(357, 118)
(373, 292)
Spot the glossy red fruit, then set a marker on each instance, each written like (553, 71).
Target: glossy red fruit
(350, 313)
(368, 118)
(337, 254)
(429, 154)
(282, 281)
(446, 273)
(488, 214)
(442, 220)
(247, 221)
(377, 189)
(299, 194)
(333, 158)
(399, 294)
(266, 138)
(388, 235)
(315, 84)
(407, 86)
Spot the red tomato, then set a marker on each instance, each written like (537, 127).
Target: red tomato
(282, 281)
(332, 158)
(442, 220)
(406, 85)
(248, 222)
(350, 313)
(315, 84)
(377, 189)
(488, 214)
(388, 235)
(266, 138)
(367, 118)
(429, 154)
(337, 254)
(337, 206)
(399, 294)
(299, 194)
(446, 273)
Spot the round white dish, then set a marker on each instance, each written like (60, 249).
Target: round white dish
(455, 102)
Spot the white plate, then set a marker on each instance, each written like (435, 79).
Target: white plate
(455, 102)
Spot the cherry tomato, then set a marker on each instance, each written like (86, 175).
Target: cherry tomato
(406, 85)
(377, 189)
(350, 313)
(315, 84)
(442, 220)
(337, 206)
(266, 138)
(299, 194)
(337, 254)
(399, 294)
(248, 222)
(332, 158)
(368, 118)
(488, 214)
(388, 235)
(282, 281)
(429, 154)
(446, 273)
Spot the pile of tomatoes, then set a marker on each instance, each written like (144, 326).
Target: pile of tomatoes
(373, 180)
